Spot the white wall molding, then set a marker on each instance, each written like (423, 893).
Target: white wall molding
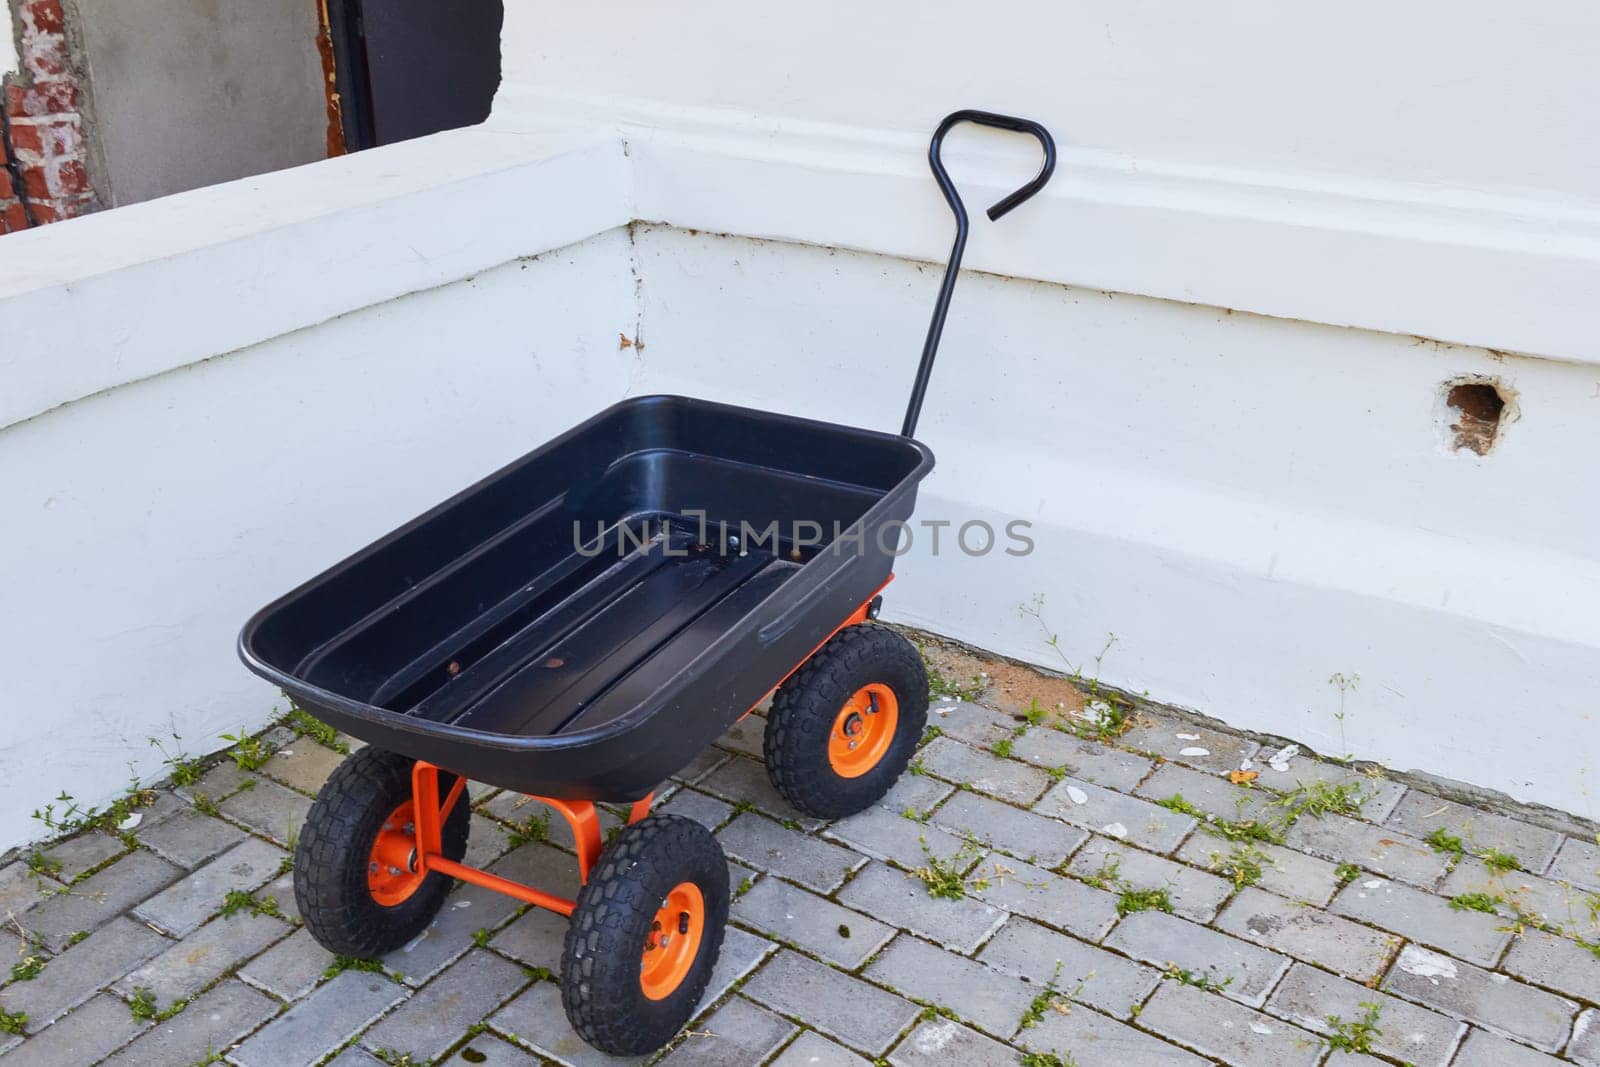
(1508, 273)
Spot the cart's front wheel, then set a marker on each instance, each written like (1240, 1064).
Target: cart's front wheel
(645, 934)
(355, 869)
(845, 725)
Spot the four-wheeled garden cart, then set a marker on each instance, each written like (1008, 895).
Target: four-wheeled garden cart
(577, 627)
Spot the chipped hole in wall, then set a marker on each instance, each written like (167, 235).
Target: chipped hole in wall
(1476, 410)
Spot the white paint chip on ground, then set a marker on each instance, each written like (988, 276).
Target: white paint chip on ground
(1259, 1028)
(1194, 752)
(1280, 759)
(1077, 795)
(1425, 964)
(1115, 829)
(1187, 737)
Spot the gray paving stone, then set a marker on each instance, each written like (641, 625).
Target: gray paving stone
(74, 976)
(1042, 841)
(1374, 848)
(183, 906)
(767, 846)
(1212, 794)
(743, 781)
(1420, 814)
(985, 772)
(356, 1056)
(1080, 971)
(744, 736)
(1162, 939)
(1309, 934)
(737, 1034)
(742, 953)
(215, 1020)
(1585, 1044)
(290, 968)
(815, 924)
(101, 1026)
(917, 792)
(902, 900)
(986, 998)
(84, 852)
(1469, 935)
(972, 723)
(1475, 995)
(1308, 997)
(536, 938)
(1378, 795)
(269, 809)
(888, 835)
(537, 1020)
(190, 838)
(705, 810)
(439, 1013)
(811, 1049)
(222, 780)
(1179, 742)
(1116, 815)
(487, 841)
(1088, 761)
(1062, 902)
(99, 898)
(281, 890)
(1218, 1028)
(190, 965)
(703, 764)
(1555, 962)
(19, 889)
(840, 1006)
(1092, 1040)
(1194, 895)
(941, 1041)
(1488, 1050)
(485, 1050)
(1283, 870)
(322, 1022)
(1537, 900)
(1578, 862)
(304, 765)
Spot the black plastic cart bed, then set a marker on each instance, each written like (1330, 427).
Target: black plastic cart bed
(577, 627)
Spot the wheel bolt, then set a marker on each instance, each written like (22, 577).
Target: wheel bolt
(852, 744)
(394, 870)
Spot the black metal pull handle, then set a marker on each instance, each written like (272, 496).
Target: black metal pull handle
(941, 308)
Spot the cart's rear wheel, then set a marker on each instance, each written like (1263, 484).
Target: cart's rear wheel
(845, 725)
(355, 869)
(645, 934)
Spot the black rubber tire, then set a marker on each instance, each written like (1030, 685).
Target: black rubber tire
(805, 707)
(330, 862)
(600, 964)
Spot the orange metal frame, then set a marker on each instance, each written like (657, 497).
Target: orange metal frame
(430, 814)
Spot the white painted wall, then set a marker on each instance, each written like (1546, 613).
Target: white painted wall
(145, 524)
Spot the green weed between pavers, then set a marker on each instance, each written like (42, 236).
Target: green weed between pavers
(745, 885)
(28, 968)
(1356, 1035)
(1244, 863)
(1322, 798)
(1133, 900)
(944, 878)
(143, 1006)
(1048, 1059)
(1346, 873)
(400, 1059)
(1184, 976)
(536, 827)
(1499, 862)
(1002, 748)
(1441, 840)
(184, 771)
(239, 900)
(1228, 830)
(13, 1022)
(73, 817)
(249, 752)
(341, 964)
(1048, 998)
(1484, 902)
(304, 724)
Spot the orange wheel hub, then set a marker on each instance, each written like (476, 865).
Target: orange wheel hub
(863, 730)
(673, 941)
(392, 869)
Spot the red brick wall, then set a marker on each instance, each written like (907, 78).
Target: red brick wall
(43, 146)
